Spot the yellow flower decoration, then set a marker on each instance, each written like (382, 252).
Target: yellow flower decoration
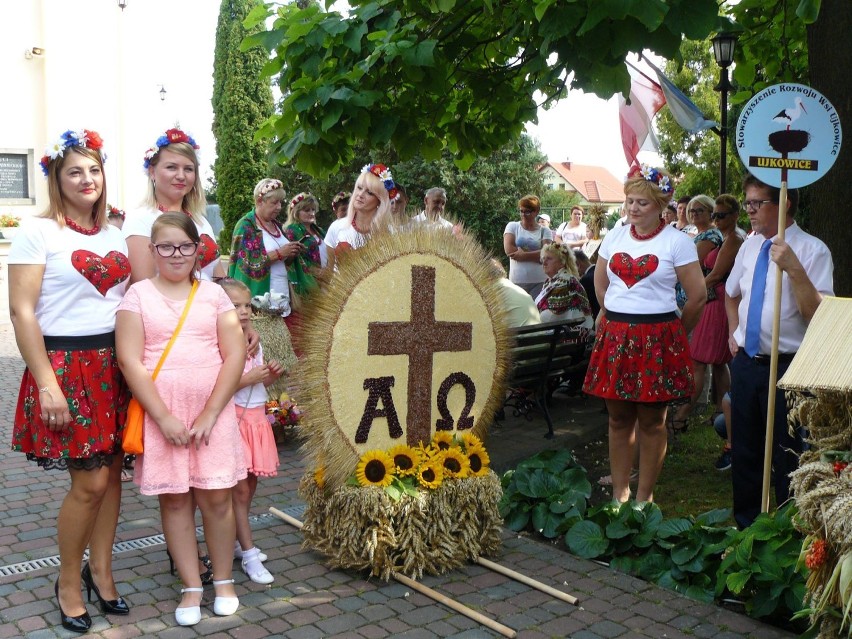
(375, 469)
(430, 474)
(456, 463)
(443, 440)
(478, 459)
(319, 476)
(469, 440)
(405, 458)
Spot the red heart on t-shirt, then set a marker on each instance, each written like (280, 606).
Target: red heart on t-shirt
(632, 270)
(208, 251)
(103, 272)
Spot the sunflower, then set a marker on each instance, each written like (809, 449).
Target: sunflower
(319, 476)
(406, 459)
(478, 459)
(443, 439)
(430, 474)
(469, 440)
(456, 463)
(375, 469)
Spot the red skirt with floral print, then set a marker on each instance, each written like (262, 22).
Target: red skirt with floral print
(638, 362)
(97, 398)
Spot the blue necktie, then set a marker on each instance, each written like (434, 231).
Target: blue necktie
(755, 303)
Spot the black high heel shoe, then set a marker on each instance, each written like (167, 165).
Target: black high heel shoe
(206, 576)
(108, 606)
(80, 623)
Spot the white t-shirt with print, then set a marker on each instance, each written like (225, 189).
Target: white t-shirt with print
(85, 276)
(139, 222)
(572, 233)
(333, 231)
(653, 269)
(527, 272)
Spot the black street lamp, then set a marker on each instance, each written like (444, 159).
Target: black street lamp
(122, 4)
(723, 51)
(162, 93)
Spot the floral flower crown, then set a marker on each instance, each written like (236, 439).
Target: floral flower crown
(172, 136)
(651, 174)
(270, 186)
(383, 173)
(114, 211)
(297, 199)
(82, 138)
(337, 199)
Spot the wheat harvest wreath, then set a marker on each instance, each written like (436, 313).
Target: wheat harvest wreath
(401, 375)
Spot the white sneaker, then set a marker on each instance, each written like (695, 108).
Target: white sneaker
(254, 569)
(238, 552)
(224, 606)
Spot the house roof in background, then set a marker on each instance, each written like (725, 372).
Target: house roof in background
(594, 183)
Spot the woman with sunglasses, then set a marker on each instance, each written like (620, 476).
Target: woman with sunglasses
(709, 341)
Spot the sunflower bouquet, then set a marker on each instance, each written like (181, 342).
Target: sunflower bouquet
(403, 470)
(411, 509)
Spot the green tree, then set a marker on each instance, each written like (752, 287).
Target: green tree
(439, 75)
(242, 101)
(693, 158)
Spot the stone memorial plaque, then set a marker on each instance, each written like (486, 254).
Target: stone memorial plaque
(16, 176)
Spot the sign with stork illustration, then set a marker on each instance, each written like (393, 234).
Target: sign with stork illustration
(788, 136)
(788, 133)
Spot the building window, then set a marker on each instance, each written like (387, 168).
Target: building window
(562, 187)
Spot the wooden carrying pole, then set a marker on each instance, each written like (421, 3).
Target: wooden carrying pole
(773, 360)
(553, 592)
(433, 594)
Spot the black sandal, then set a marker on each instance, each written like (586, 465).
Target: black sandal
(206, 576)
(129, 462)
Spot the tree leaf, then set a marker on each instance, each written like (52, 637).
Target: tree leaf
(808, 10)
(736, 581)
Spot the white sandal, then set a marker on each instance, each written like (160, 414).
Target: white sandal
(191, 615)
(224, 606)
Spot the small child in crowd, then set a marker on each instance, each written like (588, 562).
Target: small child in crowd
(261, 453)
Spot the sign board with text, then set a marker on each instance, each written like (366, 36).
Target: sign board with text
(16, 176)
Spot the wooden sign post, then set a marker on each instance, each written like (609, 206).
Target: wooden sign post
(788, 136)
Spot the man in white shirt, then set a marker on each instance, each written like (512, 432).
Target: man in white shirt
(434, 202)
(749, 301)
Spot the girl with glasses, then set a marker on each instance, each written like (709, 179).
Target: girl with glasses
(193, 449)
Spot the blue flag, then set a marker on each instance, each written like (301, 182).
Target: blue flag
(684, 111)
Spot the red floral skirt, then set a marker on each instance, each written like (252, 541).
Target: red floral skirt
(639, 362)
(97, 398)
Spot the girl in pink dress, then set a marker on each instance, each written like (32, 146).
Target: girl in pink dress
(261, 452)
(191, 436)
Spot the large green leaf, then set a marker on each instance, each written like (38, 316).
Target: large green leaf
(673, 527)
(586, 539)
(714, 517)
(517, 519)
(545, 521)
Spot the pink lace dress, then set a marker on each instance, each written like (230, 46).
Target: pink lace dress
(185, 382)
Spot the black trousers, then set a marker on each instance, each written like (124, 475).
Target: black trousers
(749, 401)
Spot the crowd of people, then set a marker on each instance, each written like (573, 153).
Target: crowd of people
(101, 312)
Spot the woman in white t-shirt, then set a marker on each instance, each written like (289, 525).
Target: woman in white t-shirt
(573, 232)
(173, 185)
(369, 211)
(641, 362)
(522, 242)
(68, 270)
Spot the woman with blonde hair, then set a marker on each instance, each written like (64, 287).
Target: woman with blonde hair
(640, 361)
(562, 296)
(302, 228)
(173, 185)
(369, 209)
(68, 270)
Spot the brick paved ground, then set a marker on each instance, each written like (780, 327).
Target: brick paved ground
(309, 601)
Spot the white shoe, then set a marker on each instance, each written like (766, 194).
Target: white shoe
(238, 552)
(224, 606)
(191, 615)
(254, 569)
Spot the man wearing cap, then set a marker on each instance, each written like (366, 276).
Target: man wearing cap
(749, 301)
(573, 232)
(544, 220)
